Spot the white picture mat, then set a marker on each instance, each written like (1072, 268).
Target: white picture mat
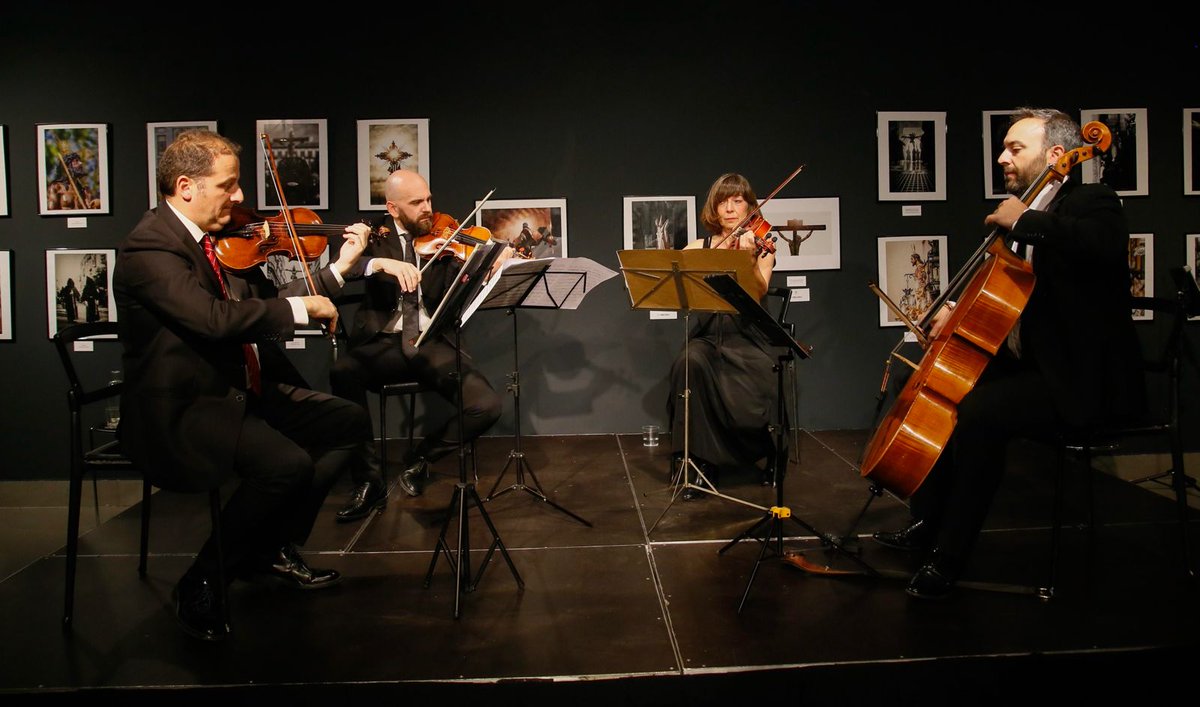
(1191, 146)
(409, 135)
(651, 220)
(158, 136)
(903, 143)
(6, 322)
(504, 218)
(1141, 270)
(1117, 157)
(817, 249)
(99, 160)
(315, 134)
(904, 281)
(995, 126)
(63, 264)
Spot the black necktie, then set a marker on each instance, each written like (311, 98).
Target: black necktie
(409, 315)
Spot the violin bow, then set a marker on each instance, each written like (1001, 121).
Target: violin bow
(461, 225)
(265, 141)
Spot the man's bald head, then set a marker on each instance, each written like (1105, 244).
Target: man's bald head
(409, 201)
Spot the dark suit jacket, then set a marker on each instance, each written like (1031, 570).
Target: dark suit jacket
(382, 292)
(185, 383)
(1077, 326)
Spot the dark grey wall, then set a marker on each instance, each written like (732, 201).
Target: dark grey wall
(619, 100)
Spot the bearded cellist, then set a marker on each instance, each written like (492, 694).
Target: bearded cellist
(1071, 361)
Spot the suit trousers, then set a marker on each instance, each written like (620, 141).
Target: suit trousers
(1011, 400)
(380, 361)
(293, 445)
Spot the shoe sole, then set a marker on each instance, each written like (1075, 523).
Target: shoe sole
(377, 506)
(270, 578)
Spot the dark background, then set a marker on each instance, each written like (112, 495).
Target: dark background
(590, 102)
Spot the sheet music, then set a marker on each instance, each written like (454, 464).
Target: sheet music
(562, 286)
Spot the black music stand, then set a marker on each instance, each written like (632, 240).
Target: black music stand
(449, 315)
(769, 529)
(675, 280)
(551, 283)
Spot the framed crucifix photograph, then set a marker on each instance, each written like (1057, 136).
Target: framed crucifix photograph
(911, 272)
(911, 156)
(1125, 166)
(536, 228)
(808, 233)
(301, 149)
(72, 169)
(659, 222)
(385, 146)
(158, 136)
(79, 287)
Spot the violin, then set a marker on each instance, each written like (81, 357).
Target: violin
(251, 237)
(760, 228)
(449, 238)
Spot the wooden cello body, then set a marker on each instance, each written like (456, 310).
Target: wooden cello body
(993, 290)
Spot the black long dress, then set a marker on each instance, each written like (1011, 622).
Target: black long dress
(733, 388)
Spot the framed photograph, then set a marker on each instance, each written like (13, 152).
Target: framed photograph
(536, 227)
(659, 222)
(1192, 243)
(6, 322)
(995, 127)
(1125, 166)
(301, 150)
(912, 156)
(3, 174)
(72, 169)
(158, 136)
(1191, 151)
(282, 269)
(911, 272)
(79, 287)
(808, 233)
(1141, 270)
(385, 146)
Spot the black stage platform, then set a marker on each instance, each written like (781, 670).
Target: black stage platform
(614, 615)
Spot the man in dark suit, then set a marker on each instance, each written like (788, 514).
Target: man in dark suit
(1073, 359)
(209, 394)
(398, 303)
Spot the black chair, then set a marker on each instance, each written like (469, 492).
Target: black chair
(1161, 365)
(89, 457)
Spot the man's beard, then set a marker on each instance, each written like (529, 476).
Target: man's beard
(1023, 180)
(416, 228)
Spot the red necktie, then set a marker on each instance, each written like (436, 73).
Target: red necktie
(253, 372)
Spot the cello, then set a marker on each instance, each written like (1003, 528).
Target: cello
(992, 289)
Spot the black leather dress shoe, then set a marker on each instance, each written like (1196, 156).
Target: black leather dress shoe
(289, 568)
(367, 497)
(693, 494)
(412, 479)
(935, 580)
(198, 609)
(916, 536)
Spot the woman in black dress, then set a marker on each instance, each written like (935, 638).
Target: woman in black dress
(727, 368)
